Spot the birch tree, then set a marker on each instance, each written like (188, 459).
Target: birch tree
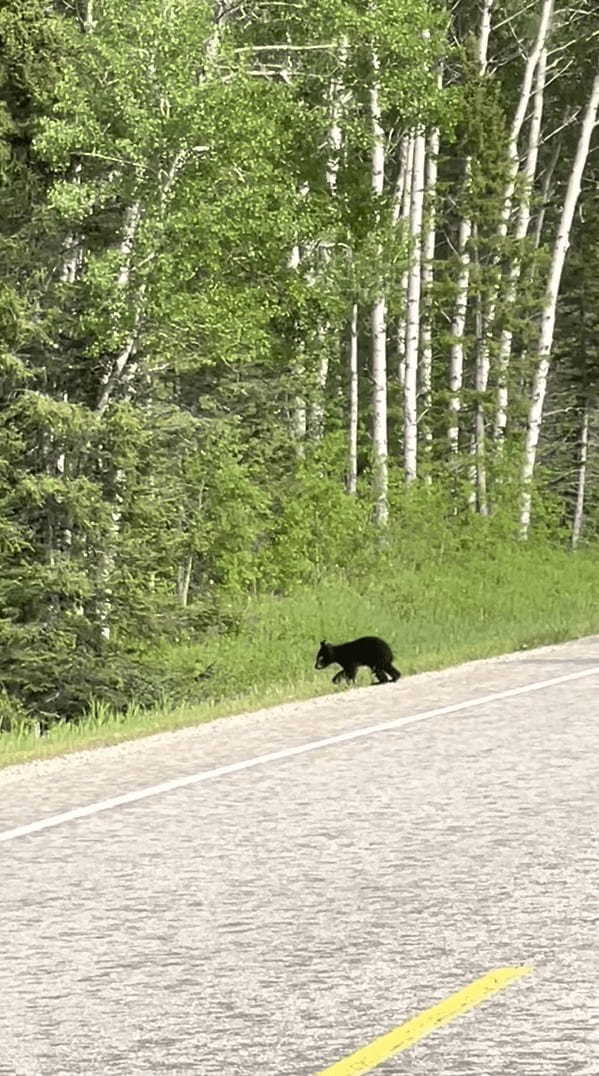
(337, 99)
(378, 317)
(535, 57)
(413, 311)
(429, 243)
(539, 387)
(401, 214)
(458, 325)
(581, 477)
(521, 232)
(352, 460)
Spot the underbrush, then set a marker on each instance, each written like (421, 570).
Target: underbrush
(438, 603)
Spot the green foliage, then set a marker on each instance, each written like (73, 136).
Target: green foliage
(316, 526)
(157, 170)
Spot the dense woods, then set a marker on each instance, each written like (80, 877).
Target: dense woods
(280, 279)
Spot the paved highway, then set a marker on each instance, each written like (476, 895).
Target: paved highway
(274, 918)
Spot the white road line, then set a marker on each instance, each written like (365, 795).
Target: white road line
(276, 756)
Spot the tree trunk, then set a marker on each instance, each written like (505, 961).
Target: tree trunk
(505, 347)
(352, 453)
(379, 324)
(477, 495)
(299, 420)
(184, 579)
(458, 325)
(401, 211)
(413, 312)
(483, 364)
(428, 252)
(535, 413)
(582, 474)
(456, 367)
(115, 372)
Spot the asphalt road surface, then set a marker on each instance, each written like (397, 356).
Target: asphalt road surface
(272, 919)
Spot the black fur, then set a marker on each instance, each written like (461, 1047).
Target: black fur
(369, 650)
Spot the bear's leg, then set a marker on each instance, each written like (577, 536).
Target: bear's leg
(350, 673)
(392, 672)
(381, 675)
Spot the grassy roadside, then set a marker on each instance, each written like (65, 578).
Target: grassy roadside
(434, 613)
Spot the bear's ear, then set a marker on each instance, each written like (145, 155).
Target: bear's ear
(323, 642)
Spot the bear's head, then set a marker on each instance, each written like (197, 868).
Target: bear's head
(325, 656)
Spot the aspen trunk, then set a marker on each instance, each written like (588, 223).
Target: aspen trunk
(582, 475)
(477, 496)
(72, 251)
(456, 362)
(378, 321)
(483, 363)
(545, 196)
(352, 453)
(299, 420)
(183, 580)
(428, 253)
(535, 413)
(72, 264)
(115, 372)
(458, 325)
(379, 409)
(413, 312)
(337, 98)
(505, 347)
(401, 212)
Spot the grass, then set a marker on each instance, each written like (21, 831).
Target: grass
(434, 612)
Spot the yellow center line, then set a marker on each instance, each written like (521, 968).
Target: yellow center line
(404, 1036)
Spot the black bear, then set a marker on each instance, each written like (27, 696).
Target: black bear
(369, 650)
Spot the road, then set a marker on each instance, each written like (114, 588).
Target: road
(271, 920)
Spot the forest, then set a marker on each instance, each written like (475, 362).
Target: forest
(298, 299)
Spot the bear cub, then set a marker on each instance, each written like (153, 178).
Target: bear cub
(369, 650)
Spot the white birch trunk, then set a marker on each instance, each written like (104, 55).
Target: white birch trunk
(458, 325)
(352, 452)
(545, 199)
(485, 33)
(523, 222)
(184, 580)
(72, 263)
(428, 252)
(337, 99)
(89, 23)
(484, 362)
(582, 475)
(401, 212)
(532, 63)
(477, 494)
(379, 408)
(299, 422)
(535, 413)
(378, 320)
(413, 312)
(114, 374)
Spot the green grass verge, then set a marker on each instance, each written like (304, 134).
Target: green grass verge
(434, 613)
